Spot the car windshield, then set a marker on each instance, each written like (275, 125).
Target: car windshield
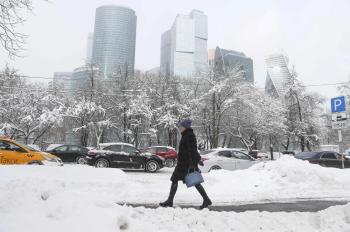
(307, 155)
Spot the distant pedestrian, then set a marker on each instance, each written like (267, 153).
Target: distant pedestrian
(188, 160)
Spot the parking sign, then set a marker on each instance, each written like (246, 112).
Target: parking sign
(338, 104)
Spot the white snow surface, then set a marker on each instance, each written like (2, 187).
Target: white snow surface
(82, 198)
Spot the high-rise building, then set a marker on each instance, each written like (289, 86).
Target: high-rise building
(62, 80)
(184, 46)
(228, 60)
(114, 40)
(211, 57)
(89, 46)
(82, 76)
(278, 75)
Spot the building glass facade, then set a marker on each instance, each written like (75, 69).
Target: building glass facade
(114, 40)
(62, 80)
(278, 74)
(227, 60)
(184, 46)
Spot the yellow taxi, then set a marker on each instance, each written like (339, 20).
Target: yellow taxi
(12, 152)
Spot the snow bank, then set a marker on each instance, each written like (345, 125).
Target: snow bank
(81, 198)
(282, 179)
(37, 196)
(141, 219)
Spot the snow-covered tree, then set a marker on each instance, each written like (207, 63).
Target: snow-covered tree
(28, 111)
(304, 120)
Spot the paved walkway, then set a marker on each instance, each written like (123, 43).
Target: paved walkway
(297, 206)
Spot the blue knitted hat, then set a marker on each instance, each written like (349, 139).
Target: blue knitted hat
(186, 123)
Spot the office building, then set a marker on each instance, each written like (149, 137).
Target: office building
(226, 61)
(184, 45)
(278, 74)
(114, 40)
(89, 46)
(62, 80)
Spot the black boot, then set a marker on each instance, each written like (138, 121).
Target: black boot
(206, 201)
(169, 202)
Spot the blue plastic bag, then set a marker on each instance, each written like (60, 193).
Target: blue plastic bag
(193, 178)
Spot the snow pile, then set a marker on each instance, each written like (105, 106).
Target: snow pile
(141, 219)
(284, 179)
(36, 196)
(83, 199)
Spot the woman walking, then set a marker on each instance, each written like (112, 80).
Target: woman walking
(188, 159)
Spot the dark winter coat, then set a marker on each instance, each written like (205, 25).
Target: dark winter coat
(188, 156)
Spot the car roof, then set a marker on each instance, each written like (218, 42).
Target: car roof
(163, 147)
(107, 152)
(214, 150)
(53, 146)
(5, 138)
(228, 148)
(109, 144)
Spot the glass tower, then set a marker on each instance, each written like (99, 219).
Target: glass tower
(114, 40)
(184, 45)
(278, 74)
(228, 60)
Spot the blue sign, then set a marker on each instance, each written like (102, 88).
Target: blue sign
(338, 104)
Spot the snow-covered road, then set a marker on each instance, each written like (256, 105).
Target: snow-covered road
(82, 198)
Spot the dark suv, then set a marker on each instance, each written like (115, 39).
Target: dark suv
(69, 153)
(125, 156)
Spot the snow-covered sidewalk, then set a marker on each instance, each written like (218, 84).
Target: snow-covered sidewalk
(82, 198)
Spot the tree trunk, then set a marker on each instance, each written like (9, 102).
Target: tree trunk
(302, 143)
(214, 142)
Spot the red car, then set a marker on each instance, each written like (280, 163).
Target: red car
(168, 153)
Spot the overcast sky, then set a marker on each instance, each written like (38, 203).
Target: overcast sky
(314, 33)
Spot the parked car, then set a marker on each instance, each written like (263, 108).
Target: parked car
(226, 158)
(324, 158)
(13, 152)
(168, 153)
(292, 153)
(256, 154)
(125, 160)
(263, 156)
(69, 153)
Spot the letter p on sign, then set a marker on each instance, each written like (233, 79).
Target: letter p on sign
(338, 104)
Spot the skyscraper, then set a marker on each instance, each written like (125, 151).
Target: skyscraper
(184, 45)
(227, 60)
(62, 80)
(89, 46)
(114, 39)
(278, 74)
(211, 57)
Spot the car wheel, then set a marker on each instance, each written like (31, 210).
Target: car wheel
(216, 167)
(102, 163)
(80, 160)
(169, 163)
(152, 166)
